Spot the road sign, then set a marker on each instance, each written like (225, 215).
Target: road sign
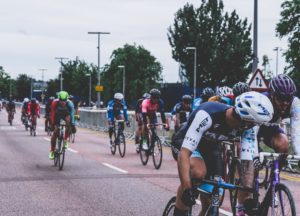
(258, 81)
(99, 88)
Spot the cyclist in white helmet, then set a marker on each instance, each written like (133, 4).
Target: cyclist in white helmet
(206, 125)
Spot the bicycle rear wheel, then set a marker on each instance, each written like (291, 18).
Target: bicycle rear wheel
(144, 153)
(170, 207)
(61, 155)
(157, 153)
(284, 203)
(234, 178)
(122, 145)
(113, 147)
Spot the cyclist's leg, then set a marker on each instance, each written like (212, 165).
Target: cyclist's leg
(198, 171)
(138, 130)
(68, 127)
(46, 122)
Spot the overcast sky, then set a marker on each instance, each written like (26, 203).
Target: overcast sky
(34, 32)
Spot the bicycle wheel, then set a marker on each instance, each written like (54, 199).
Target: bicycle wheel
(264, 174)
(234, 178)
(56, 155)
(157, 153)
(113, 147)
(122, 145)
(61, 155)
(169, 210)
(283, 204)
(72, 137)
(144, 153)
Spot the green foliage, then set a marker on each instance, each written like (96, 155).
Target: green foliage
(75, 80)
(289, 26)
(23, 83)
(5, 82)
(142, 72)
(222, 41)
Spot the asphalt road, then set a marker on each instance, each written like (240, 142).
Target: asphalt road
(93, 182)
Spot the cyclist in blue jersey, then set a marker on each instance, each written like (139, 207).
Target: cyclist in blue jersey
(282, 91)
(206, 94)
(210, 122)
(116, 109)
(182, 110)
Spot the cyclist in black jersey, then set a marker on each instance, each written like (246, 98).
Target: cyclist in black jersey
(211, 122)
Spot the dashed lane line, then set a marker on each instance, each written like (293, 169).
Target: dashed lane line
(115, 168)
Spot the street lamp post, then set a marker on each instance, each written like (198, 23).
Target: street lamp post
(277, 49)
(255, 58)
(90, 88)
(98, 68)
(122, 66)
(43, 87)
(195, 67)
(61, 70)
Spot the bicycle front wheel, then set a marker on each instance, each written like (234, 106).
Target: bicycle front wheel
(234, 178)
(283, 203)
(144, 153)
(113, 147)
(169, 210)
(157, 153)
(122, 145)
(61, 158)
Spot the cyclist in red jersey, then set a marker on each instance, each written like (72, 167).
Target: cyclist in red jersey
(33, 110)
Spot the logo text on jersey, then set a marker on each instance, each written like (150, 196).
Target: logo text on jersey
(202, 124)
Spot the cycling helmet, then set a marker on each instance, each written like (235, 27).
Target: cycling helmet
(254, 107)
(240, 88)
(187, 99)
(26, 100)
(63, 95)
(118, 96)
(146, 95)
(155, 93)
(207, 93)
(223, 91)
(51, 98)
(282, 85)
(71, 97)
(33, 100)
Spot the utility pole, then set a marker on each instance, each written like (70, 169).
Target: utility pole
(98, 68)
(255, 59)
(43, 87)
(61, 78)
(277, 49)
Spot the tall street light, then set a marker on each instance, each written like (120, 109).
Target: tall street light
(43, 90)
(122, 66)
(61, 70)
(195, 67)
(277, 49)
(98, 68)
(90, 87)
(255, 58)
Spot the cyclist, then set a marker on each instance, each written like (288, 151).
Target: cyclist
(149, 108)
(210, 121)
(224, 95)
(61, 108)
(76, 114)
(11, 109)
(33, 111)
(116, 109)
(282, 91)
(47, 112)
(181, 111)
(24, 109)
(206, 94)
(240, 88)
(139, 119)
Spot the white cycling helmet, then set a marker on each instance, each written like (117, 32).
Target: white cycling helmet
(254, 107)
(225, 90)
(118, 96)
(26, 100)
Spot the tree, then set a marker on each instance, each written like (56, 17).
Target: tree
(289, 26)
(5, 84)
(222, 41)
(75, 80)
(142, 70)
(23, 86)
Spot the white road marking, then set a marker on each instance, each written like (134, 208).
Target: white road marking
(115, 168)
(72, 150)
(48, 139)
(220, 210)
(6, 128)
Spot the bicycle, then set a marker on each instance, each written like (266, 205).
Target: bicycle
(213, 209)
(119, 138)
(10, 117)
(59, 152)
(32, 126)
(25, 121)
(276, 192)
(151, 146)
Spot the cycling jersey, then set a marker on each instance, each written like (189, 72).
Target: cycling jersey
(33, 109)
(61, 109)
(206, 124)
(149, 109)
(48, 107)
(10, 106)
(182, 110)
(196, 103)
(114, 110)
(24, 106)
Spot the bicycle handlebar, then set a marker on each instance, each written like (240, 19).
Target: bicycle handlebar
(263, 155)
(156, 124)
